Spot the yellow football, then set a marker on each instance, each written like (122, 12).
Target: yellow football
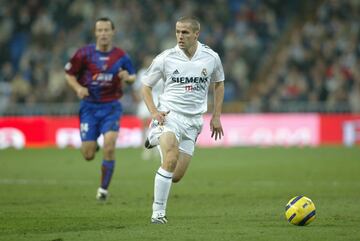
(300, 210)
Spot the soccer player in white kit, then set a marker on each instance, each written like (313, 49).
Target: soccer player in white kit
(187, 70)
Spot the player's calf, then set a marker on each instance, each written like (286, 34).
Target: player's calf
(176, 178)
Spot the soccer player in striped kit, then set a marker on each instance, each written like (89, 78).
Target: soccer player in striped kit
(97, 73)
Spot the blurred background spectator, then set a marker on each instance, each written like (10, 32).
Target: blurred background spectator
(278, 55)
(317, 67)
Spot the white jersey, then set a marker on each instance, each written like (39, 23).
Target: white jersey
(186, 80)
(156, 90)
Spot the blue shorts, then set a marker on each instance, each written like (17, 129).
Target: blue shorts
(98, 118)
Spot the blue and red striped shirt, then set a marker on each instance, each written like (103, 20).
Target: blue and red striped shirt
(98, 71)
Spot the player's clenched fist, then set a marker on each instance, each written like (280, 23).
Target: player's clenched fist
(124, 76)
(160, 116)
(82, 92)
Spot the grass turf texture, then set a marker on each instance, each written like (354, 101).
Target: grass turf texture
(227, 194)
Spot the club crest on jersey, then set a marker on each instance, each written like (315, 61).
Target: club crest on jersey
(204, 72)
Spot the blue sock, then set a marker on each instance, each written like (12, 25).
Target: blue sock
(107, 170)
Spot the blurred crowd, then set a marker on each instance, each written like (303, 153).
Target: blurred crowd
(38, 37)
(318, 68)
(319, 62)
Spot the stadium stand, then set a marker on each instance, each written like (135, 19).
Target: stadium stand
(317, 68)
(277, 55)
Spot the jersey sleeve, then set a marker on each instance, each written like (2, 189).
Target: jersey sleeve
(74, 66)
(218, 74)
(154, 73)
(128, 65)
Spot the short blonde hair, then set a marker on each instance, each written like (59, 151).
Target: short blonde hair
(194, 22)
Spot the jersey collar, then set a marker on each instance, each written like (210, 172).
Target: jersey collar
(198, 49)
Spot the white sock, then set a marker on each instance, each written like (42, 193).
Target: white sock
(163, 180)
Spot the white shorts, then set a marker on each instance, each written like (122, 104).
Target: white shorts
(186, 130)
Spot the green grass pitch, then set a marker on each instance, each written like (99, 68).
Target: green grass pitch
(227, 194)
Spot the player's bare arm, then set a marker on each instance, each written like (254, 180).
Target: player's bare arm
(148, 99)
(215, 124)
(80, 90)
(126, 77)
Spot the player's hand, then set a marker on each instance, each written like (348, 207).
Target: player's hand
(123, 75)
(82, 92)
(160, 116)
(216, 129)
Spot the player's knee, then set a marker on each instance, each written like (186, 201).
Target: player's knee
(109, 150)
(170, 160)
(89, 155)
(172, 151)
(172, 157)
(88, 152)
